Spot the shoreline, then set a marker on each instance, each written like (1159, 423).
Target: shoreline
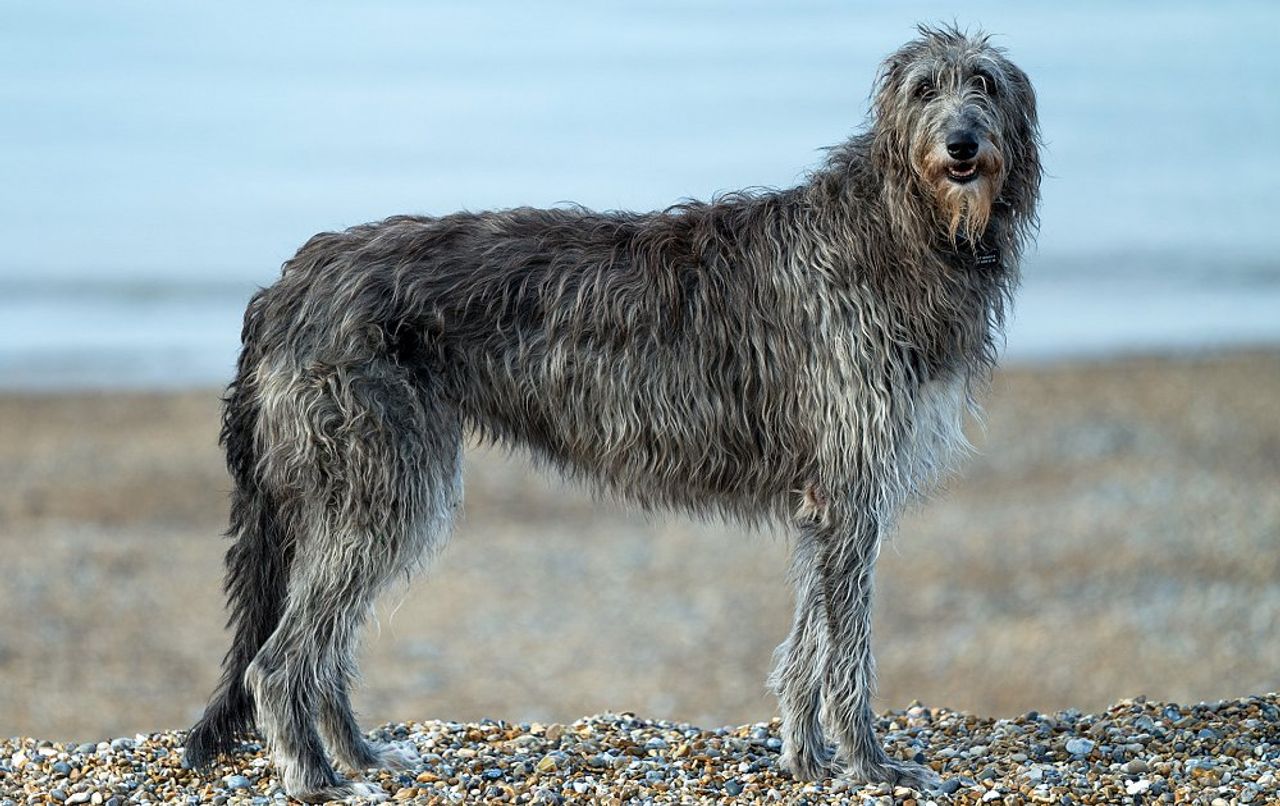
(204, 380)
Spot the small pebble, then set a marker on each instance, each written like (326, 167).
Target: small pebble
(1137, 787)
(1079, 747)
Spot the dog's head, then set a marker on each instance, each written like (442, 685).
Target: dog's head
(957, 119)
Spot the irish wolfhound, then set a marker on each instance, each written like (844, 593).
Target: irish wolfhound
(804, 356)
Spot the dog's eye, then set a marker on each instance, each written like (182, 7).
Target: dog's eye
(985, 83)
(923, 89)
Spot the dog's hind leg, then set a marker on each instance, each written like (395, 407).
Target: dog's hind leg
(337, 722)
(797, 672)
(372, 462)
(348, 744)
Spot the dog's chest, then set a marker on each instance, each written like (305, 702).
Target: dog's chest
(935, 437)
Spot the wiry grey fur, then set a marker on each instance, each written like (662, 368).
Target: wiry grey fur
(802, 356)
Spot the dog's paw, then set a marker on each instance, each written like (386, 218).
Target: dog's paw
(397, 756)
(895, 773)
(380, 756)
(807, 764)
(359, 791)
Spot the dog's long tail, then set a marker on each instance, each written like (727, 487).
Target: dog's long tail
(257, 563)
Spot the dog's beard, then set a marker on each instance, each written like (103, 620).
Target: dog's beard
(965, 209)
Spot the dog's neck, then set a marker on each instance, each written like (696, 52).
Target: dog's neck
(948, 294)
(980, 254)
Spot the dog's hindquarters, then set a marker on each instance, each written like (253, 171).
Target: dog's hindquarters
(366, 458)
(346, 466)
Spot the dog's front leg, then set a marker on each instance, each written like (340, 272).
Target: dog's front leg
(847, 553)
(797, 669)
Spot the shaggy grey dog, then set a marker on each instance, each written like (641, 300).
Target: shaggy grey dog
(803, 356)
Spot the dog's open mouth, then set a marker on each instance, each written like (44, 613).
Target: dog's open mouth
(962, 172)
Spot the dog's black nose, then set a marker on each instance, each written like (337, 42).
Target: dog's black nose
(962, 145)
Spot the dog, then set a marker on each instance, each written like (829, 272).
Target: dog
(802, 356)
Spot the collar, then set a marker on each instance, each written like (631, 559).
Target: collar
(980, 255)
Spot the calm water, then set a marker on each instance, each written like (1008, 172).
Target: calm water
(158, 162)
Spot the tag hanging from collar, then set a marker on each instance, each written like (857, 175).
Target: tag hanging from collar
(986, 259)
(984, 256)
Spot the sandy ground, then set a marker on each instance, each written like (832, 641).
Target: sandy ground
(1118, 535)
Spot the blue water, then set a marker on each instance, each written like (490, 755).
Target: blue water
(157, 162)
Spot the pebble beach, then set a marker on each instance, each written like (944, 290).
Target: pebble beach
(1135, 752)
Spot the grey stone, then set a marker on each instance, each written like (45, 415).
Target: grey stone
(1079, 746)
(237, 782)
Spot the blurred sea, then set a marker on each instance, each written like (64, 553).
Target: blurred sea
(157, 163)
